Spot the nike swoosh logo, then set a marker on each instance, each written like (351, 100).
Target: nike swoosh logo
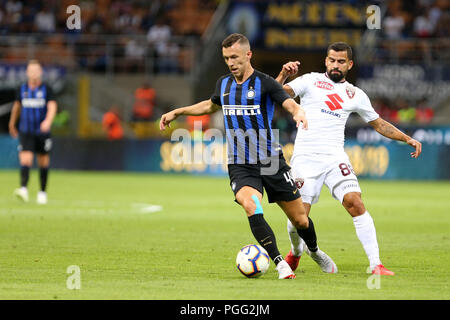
(294, 192)
(225, 94)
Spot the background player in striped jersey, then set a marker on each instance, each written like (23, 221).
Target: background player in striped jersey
(35, 108)
(319, 157)
(247, 98)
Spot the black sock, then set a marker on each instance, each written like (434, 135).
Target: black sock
(265, 237)
(24, 175)
(309, 236)
(43, 174)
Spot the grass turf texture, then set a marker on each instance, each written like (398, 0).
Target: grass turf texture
(103, 223)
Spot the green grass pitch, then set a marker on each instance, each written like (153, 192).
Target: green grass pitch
(149, 236)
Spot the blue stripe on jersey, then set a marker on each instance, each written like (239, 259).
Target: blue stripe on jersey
(31, 115)
(234, 120)
(270, 109)
(36, 114)
(249, 157)
(257, 100)
(259, 118)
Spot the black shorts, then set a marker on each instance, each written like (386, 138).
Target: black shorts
(37, 143)
(279, 186)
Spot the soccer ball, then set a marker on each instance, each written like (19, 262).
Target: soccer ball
(252, 261)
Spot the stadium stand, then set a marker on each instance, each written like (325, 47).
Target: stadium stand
(175, 42)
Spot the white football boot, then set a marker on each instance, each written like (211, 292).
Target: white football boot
(41, 197)
(322, 259)
(284, 270)
(21, 194)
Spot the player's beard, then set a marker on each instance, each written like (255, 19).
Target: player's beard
(336, 76)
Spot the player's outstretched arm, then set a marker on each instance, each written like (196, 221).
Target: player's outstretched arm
(289, 69)
(297, 112)
(198, 109)
(390, 131)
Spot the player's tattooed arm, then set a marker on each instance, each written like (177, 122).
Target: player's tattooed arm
(289, 69)
(198, 109)
(390, 131)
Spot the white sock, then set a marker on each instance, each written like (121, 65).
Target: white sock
(365, 230)
(296, 241)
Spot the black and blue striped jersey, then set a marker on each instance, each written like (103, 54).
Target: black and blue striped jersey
(248, 110)
(33, 107)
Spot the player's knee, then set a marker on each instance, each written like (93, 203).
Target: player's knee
(26, 162)
(300, 222)
(43, 160)
(354, 204)
(26, 158)
(249, 207)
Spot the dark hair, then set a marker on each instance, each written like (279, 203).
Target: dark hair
(233, 38)
(341, 46)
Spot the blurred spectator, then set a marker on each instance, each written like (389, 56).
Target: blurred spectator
(167, 61)
(128, 20)
(191, 17)
(27, 20)
(13, 7)
(3, 26)
(441, 16)
(45, 21)
(96, 24)
(158, 37)
(145, 97)
(13, 14)
(435, 14)
(394, 23)
(112, 124)
(443, 28)
(134, 55)
(148, 18)
(109, 18)
(159, 34)
(396, 28)
(424, 25)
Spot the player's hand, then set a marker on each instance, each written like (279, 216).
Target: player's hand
(13, 131)
(45, 126)
(300, 117)
(417, 145)
(290, 68)
(166, 119)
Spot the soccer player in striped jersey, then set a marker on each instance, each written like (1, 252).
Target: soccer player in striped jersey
(35, 109)
(247, 98)
(319, 157)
